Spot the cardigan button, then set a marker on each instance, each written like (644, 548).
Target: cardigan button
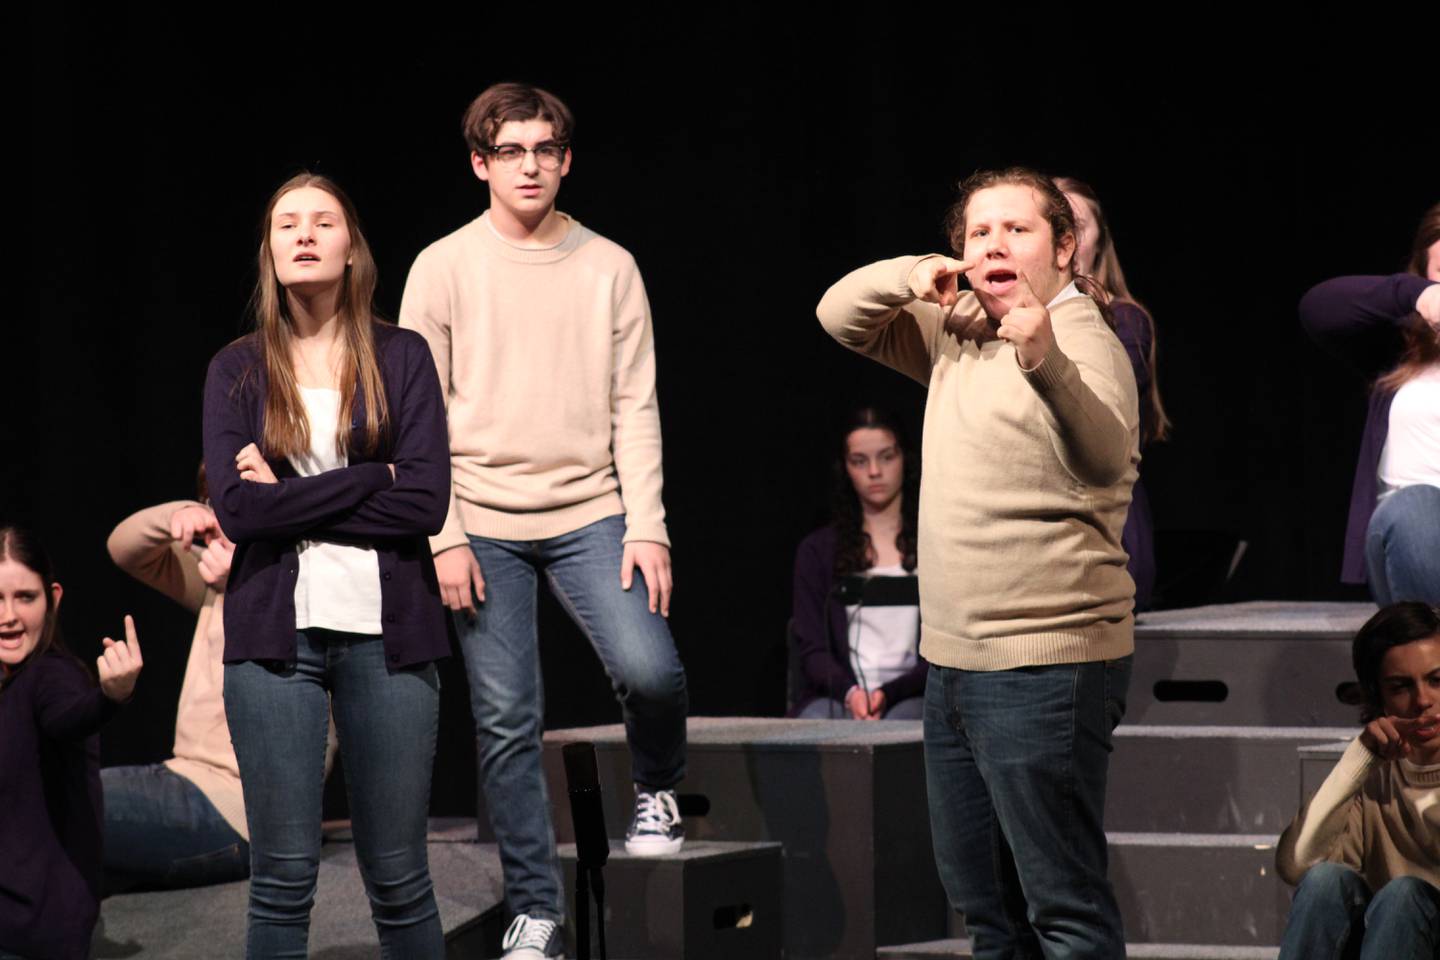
(385, 575)
(389, 618)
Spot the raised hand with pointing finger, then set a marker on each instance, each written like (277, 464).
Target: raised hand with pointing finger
(937, 279)
(1025, 323)
(119, 665)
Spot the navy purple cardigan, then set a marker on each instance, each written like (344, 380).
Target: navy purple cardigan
(1360, 320)
(358, 503)
(50, 808)
(1138, 538)
(821, 634)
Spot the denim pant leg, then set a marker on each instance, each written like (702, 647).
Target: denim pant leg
(1326, 913)
(1402, 546)
(386, 721)
(1041, 742)
(502, 664)
(162, 832)
(1403, 922)
(975, 864)
(633, 644)
(279, 718)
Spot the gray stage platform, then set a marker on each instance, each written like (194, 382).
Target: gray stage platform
(1268, 663)
(210, 921)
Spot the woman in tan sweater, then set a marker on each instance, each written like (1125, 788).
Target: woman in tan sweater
(1365, 851)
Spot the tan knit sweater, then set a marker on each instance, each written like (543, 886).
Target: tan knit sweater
(1379, 818)
(141, 546)
(1026, 479)
(547, 361)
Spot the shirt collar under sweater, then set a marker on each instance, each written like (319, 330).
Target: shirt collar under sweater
(484, 230)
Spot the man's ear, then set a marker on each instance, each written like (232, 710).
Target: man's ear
(1065, 251)
(477, 163)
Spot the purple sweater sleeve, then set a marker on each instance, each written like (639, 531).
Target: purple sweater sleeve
(810, 614)
(250, 511)
(67, 705)
(1133, 329)
(1358, 319)
(417, 502)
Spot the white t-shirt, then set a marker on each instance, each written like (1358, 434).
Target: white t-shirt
(339, 584)
(1412, 444)
(884, 641)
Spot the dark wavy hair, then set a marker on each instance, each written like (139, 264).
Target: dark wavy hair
(23, 547)
(1394, 626)
(854, 553)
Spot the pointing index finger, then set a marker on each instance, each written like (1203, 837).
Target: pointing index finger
(1027, 293)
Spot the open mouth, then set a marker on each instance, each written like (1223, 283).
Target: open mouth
(11, 640)
(1001, 280)
(306, 258)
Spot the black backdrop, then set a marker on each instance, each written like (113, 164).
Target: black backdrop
(746, 166)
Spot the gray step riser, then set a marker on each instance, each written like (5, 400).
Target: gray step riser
(1288, 682)
(1220, 784)
(855, 847)
(1186, 894)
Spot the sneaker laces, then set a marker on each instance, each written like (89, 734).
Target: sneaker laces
(530, 932)
(656, 812)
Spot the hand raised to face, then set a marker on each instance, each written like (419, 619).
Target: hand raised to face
(1025, 324)
(937, 280)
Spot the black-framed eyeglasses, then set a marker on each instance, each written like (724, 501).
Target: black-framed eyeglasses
(549, 155)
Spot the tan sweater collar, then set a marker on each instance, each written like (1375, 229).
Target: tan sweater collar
(484, 232)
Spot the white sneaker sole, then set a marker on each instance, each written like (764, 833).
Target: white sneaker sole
(653, 847)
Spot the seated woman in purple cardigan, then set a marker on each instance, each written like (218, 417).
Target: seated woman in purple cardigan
(50, 714)
(1095, 258)
(860, 659)
(1388, 329)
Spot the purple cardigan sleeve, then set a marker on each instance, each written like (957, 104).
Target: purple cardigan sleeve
(68, 706)
(417, 502)
(810, 615)
(250, 511)
(1133, 329)
(1358, 319)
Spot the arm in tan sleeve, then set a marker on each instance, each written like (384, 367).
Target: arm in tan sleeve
(425, 308)
(1329, 827)
(141, 546)
(1087, 394)
(635, 414)
(874, 312)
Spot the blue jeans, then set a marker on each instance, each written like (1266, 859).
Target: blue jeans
(1334, 908)
(502, 660)
(1402, 546)
(1015, 764)
(162, 833)
(386, 723)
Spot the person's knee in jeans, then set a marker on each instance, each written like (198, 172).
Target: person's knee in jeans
(1406, 906)
(399, 886)
(282, 885)
(1402, 546)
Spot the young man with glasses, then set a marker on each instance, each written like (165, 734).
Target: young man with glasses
(541, 333)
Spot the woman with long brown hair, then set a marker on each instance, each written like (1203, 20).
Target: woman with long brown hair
(50, 713)
(1095, 258)
(859, 660)
(1388, 328)
(328, 463)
